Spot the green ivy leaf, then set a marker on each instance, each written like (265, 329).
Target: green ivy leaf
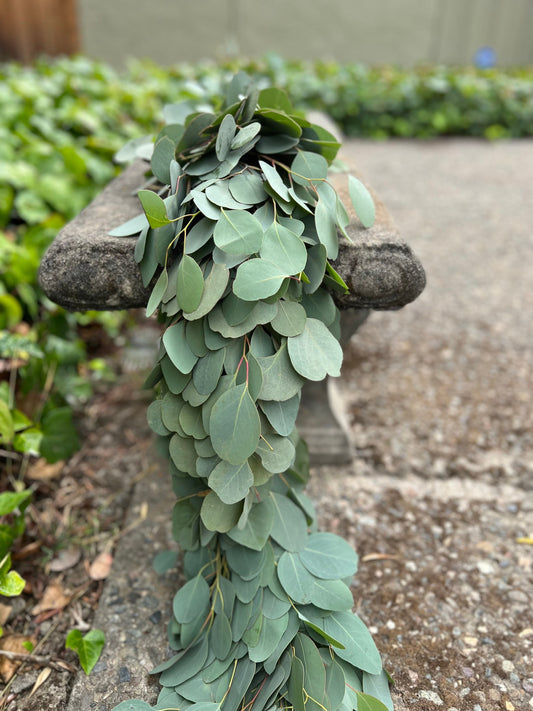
(88, 647)
(154, 208)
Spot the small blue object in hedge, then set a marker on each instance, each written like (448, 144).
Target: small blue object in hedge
(485, 58)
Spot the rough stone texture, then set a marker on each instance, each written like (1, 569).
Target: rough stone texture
(136, 604)
(85, 268)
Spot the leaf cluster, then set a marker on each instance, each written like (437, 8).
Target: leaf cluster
(236, 240)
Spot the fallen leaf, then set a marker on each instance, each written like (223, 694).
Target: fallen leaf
(379, 556)
(13, 643)
(43, 676)
(527, 540)
(101, 566)
(54, 598)
(42, 471)
(66, 559)
(509, 706)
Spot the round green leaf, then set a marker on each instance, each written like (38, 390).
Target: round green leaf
(157, 293)
(190, 284)
(277, 453)
(359, 647)
(309, 168)
(174, 378)
(177, 348)
(208, 370)
(163, 154)
(315, 353)
(295, 579)
(275, 181)
(326, 229)
(282, 415)
(290, 527)
(192, 600)
(218, 516)
(226, 132)
(234, 425)
(238, 232)
(247, 188)
(331, 595)
(284, 249)
(290, 318)
(278, 143)
(362, 201)
(254, 534)
(272, 631)
(280, 381)
(154, 208)
(257, 279)
(231, 482)
(214, 288)
(220, 195)
(245, 135)
(329, 557)
(199, 235)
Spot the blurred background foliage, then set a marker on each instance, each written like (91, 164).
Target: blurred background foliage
(61, 121)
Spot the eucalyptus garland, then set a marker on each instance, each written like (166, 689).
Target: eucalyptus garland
(237, 239)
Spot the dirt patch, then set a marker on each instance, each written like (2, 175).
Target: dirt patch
(76, 519)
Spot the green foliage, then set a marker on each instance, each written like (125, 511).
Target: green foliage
(265, 618)
(88, 647)
(12, 507)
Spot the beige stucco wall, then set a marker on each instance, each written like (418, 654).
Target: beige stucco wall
(405, 32)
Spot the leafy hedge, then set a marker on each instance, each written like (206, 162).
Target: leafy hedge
(62, 121)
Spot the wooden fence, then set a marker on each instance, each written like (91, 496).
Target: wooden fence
(29, 28)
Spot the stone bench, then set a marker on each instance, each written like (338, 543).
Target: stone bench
(85, 269)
